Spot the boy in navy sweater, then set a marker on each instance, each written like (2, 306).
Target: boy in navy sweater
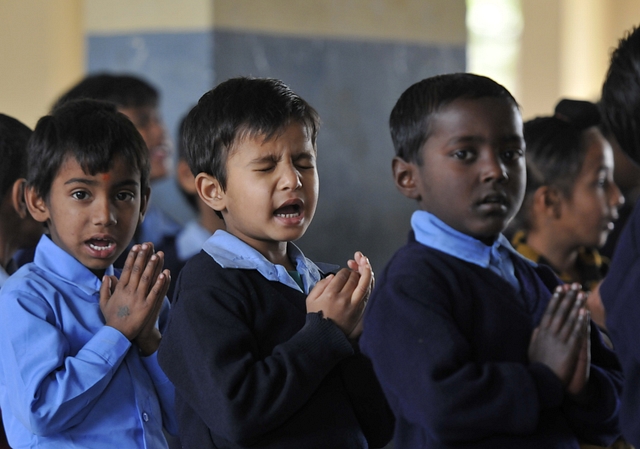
(470, 346)
(262, 342)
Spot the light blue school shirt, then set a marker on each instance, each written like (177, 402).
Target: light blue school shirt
(231, 252)
(66, 379)
(433, 232)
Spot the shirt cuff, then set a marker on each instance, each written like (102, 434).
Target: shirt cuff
(110, 344)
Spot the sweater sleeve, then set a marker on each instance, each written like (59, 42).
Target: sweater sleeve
(210, 353)
(619, 292)
(369, 403)
(427, 366)
(596, 421)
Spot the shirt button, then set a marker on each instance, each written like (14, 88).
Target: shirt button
(145, 417)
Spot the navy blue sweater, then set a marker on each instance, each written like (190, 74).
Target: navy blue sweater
(449, 343)
(252, 368)
(620, 294)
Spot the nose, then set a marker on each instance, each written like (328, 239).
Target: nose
(103, 213)
(493, 168)
(290, 178)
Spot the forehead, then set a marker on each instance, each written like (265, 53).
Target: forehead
(598, 150)
(488, 116)
(140, 115)
(119, 168)
(294, 137)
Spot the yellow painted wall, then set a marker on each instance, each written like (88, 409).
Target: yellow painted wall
(433, 21)
(121, 16)
(41, 54)
(566, 46)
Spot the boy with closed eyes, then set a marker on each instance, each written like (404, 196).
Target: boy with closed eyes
(262, 343)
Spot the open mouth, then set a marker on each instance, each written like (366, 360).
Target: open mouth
(288, 211)
(494, 199)
(292, 210)
(100, 244)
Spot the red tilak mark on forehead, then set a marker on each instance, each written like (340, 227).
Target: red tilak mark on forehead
(106, 177)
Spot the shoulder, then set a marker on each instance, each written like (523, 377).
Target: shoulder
(416, 259)
(202, 277)
(29, 289)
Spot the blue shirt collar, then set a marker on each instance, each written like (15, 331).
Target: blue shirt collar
(63, 265)
(231, 252)
(433, 232)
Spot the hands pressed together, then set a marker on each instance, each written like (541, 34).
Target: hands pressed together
(562, 340)
(132, 303)
(343, 297)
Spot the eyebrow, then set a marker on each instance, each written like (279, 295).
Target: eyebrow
(91, 182)
(273, 158)
(474, 139)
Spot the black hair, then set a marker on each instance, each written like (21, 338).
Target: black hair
(190, 198)
(239, 108)
(93, 133)
(620, 103)
(126, 91)
(410, 119)
(13, 151)
(556, 150)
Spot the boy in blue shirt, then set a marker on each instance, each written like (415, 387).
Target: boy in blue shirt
(262, 342)
(470, 346)
(78, 363)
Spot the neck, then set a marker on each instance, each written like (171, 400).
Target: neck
(8, 241)
(279, 256)
(209, 220)
(561, 256)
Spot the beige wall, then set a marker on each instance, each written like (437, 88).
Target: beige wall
(565, 48)
(432, 21)
(41, 49)
(566, 45)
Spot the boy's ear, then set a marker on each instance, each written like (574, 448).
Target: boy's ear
(17, 198)
(405, 176)
(210, 191)
(36, 204)
(144, 204)
(547, 202)
(185, 177)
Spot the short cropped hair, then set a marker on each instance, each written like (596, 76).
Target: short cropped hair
(14, 136)
(190, 198)
(556, 149)
(236, 109)
(126, 91)
(620, 102)
(93, 133)
(410, 119)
